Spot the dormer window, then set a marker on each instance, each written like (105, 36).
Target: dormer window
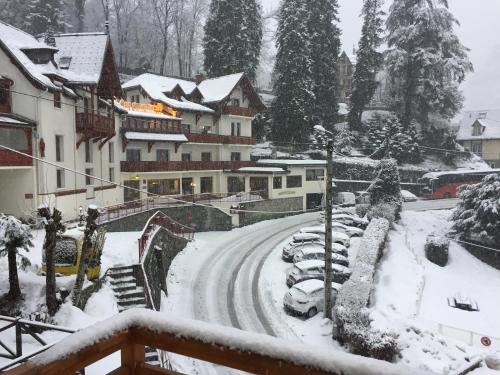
(64, 62)
(477, 129)
(39, 56)
(235, 102)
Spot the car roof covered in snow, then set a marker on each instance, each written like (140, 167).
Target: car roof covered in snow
(306, 236)
(306, 264)
(318, 228)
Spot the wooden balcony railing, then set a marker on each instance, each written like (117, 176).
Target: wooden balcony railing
(239, 111)
(223, 139)
(151, 125)
(168, 166)
(131, 331)
(95, 125)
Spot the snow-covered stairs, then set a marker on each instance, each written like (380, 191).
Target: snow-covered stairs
(129, 295)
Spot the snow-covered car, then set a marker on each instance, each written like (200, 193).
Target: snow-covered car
(339, 237)
(319, 254)
(350, 220)
(347, 229)
(408, 196)
(344, 199)
(290, 250)
(362, 197)
(307, 298)
(315, 269)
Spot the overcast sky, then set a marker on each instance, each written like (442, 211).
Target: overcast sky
(479, 31)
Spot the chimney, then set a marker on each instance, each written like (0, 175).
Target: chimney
(199, 78)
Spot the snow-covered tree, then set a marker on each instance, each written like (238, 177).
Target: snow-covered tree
(293, 83)
(386, 137)
(343, 142)
(52, 221)
(425, 60)
(368, 61)
(386, 187)
(45, 16)
(478, 213)
(14, 236)
(261, 126)
(14, 12)
(233, 37)
(324, 50)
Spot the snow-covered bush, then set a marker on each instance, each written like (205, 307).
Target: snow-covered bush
(436, 250)
(362, 209)
(372, 343)
(383, 210)
(386, 187)
(478, 213)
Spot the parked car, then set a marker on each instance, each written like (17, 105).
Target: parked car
(307, 298)
(337, 236)
(289, 251)
(315, 269)
(347, 229)
(362, 197)
(319, 254)
(344, 199)
(350, 220)
(408, 196)
(338, 211)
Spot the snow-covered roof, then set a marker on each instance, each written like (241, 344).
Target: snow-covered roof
(10, 120)
(343, 109)
(139, 136)
(292, 162)
(86, 52)
(488, 119)
(15, 41)
(433, 175)
(167, 83)
(156, 86)
(261, 170)
(216, 89)
(306, 236)
(313, 285)
(150, 115)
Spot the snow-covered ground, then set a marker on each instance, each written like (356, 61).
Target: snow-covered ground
(411, 294)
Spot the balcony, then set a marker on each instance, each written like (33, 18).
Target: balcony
(93, 125)
(177, 166)
(239, 111)
(129, 333)
(151, 125)
(222, 139)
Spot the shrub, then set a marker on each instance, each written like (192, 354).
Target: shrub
(362, 209)
(383, 210)
(437, 249)
(372, 343)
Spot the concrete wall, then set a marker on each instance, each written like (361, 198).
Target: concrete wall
(200, 218)
(273, 205)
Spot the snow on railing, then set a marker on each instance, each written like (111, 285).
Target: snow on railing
(132, 330)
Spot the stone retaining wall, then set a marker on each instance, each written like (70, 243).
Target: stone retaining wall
(271, 205)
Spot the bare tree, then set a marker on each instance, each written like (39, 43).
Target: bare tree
(80, 15)
(163, 12)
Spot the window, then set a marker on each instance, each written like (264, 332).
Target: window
(59, 148)
(112, 174)
(60, 178)
(235, 156)
(14, 138)
(206, 185)
(65, 62)
(277, 182)
(186, 156)
(88, 152)
(235, 102)
(293, 181)
(5, 106)
(206, 156)
(236, 129)
(477, 129)
(315, 174)
(477, 147)
(57, 99)
(235, 184)
(162, 155)
(164, 187)
(186, 128)
(111, 152)
(133, 154)
(132, 98)
(89, 180)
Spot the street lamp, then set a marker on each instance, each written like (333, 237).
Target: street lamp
(193, 185)
(328, 221)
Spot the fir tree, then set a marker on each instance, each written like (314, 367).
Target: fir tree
(14, 12)
(478, 213)
(45, 16)
(293, 85)
(386, 187)
(14, 236)
(425, 60)
(324, 51)
(233, 37)
(369, 61)
(343, 142)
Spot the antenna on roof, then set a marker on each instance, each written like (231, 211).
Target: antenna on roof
(106, 18)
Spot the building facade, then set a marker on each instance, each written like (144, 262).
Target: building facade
(345, 71)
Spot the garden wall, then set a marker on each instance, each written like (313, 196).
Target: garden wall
(271, 205)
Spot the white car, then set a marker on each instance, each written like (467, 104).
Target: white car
(307, 298)
(315, 269)
(337, 236)
(350, 220)
(408, 196)
(319, 254)
(290, 250)
(347, 229)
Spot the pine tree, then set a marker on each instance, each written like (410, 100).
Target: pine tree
(425, 60)
(386, 187)
(478, 213)
(45, 16)
(14, 236)
(293, 84)
(343, 142)
(369, 61)
(233, 37)
(324, 51)
(14, 12)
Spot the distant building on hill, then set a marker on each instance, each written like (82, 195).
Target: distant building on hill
(345, 70)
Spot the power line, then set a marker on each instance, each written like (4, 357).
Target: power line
(473, 244)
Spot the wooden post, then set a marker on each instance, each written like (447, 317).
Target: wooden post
(19, 341)
(328, 231)
(132, 355)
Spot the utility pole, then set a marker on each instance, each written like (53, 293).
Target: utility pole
(328, 230)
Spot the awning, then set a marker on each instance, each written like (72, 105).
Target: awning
(156, 137)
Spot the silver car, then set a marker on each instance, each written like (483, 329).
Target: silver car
(319, 254)
(307, 298)
(315, 269)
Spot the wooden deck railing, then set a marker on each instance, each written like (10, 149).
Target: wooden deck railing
(169, 166)
(131, 331)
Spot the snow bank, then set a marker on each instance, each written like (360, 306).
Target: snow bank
(313, 357)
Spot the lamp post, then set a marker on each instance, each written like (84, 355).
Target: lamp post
(80, 209)
(193, 185)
